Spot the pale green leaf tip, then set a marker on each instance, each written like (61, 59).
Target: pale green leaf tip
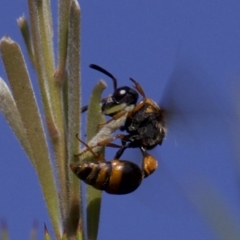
(93, 195)
(94, 109)
(46, 233)
(21, 21)
(5, 40)
(9, 109)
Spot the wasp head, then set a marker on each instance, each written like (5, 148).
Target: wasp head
(119, 100)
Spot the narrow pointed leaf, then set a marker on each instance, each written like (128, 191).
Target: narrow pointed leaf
(24, 28)
(73, 115)
(214, 209)
(46, 233)
(9, 109)
(64, 11)
(51, 90)
(94, 196)
(27, 107)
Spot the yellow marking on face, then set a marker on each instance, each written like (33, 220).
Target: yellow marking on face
(114, 109)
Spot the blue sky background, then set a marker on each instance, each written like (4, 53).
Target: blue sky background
(186, 55)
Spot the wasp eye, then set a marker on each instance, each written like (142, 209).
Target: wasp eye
(120, 93)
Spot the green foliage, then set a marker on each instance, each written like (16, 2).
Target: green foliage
(60, 94)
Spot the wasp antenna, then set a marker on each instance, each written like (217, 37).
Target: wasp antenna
(84, 109)
(138, 87)
(100, 69)
(87, 146)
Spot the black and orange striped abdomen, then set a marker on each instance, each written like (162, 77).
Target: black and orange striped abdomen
(114, 177)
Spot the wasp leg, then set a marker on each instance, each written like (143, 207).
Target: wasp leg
(88, 148)
(120, 152)
(114, 117)
(103, 143)
(138, 107)
(108, 142)
(124, 140)
(113, 145)
(149, 164)
(84, 109)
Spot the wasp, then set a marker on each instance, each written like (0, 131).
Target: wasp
(117, 105)
(115, 176)
(145, 123)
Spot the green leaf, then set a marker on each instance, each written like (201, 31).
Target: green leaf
(51, 91)
(30, 117)
(93, 195)
(46, 234)
(9, 109)
(24, 28)
(214, 209)
(72, 113)
(64, 13)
